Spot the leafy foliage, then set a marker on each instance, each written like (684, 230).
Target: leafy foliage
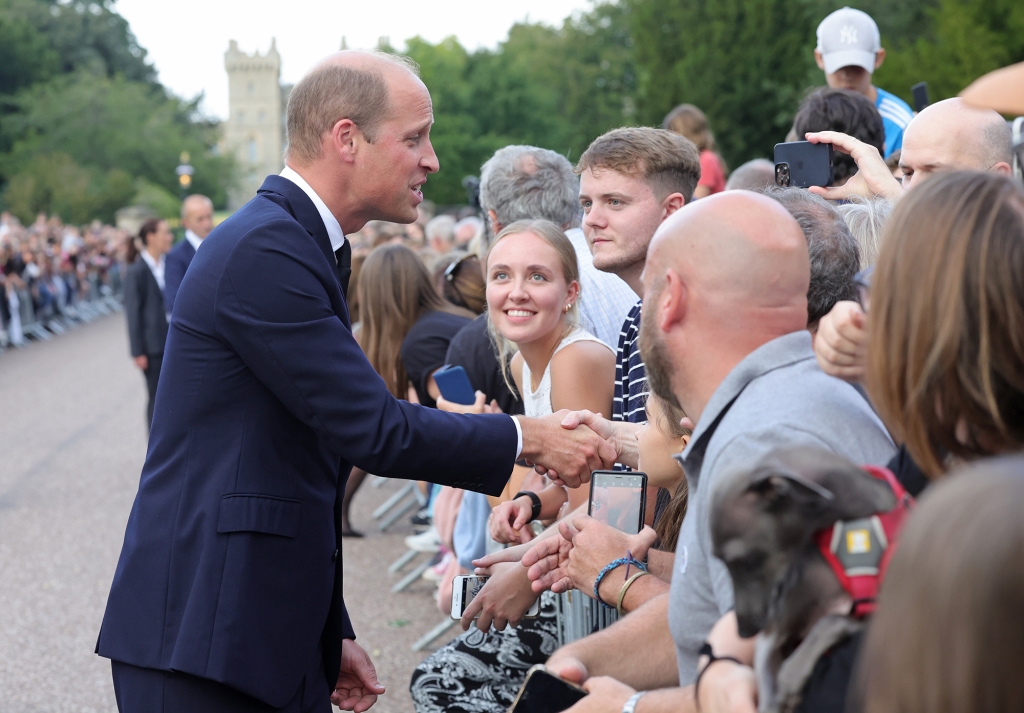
(83, 120)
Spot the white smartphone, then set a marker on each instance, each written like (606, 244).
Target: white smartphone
(466, 586)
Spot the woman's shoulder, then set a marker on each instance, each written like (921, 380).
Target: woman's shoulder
(436, 324)
(587, 352)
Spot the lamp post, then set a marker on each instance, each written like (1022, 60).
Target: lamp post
(184, 171)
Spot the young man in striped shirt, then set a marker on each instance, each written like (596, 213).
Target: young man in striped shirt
(631, 179)
(849, 51)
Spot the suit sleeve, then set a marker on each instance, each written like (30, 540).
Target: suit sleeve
(133, 307)
(274, 306)
(174, 273)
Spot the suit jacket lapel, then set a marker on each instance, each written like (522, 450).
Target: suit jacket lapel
(301, 207)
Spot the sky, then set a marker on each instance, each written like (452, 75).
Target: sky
(186, 39)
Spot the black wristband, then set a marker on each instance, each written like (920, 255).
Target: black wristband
(535, 499)
(706, 650)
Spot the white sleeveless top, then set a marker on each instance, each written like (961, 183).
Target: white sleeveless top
(538, 403)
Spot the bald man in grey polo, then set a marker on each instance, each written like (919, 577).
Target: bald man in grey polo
(777, 396)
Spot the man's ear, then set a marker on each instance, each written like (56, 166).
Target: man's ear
(496, 227)
(819, 60)
(879, 57)
(672, 301)
(672, 203)
(344, 139)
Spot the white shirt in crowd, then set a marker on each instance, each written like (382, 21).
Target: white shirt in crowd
(193, 239)
(156, 267)
(338, 239)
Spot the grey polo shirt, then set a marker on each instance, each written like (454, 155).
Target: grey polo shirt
(777, 396)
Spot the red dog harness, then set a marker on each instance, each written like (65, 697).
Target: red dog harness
(859, 550)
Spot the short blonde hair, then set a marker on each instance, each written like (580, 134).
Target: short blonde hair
(332, 92)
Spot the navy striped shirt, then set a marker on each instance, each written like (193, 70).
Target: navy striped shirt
(630, 378)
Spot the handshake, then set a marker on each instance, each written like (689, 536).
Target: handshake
(566, 446)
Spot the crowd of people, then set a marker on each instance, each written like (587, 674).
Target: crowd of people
(53, 275)
(755, 344)
(791, 369)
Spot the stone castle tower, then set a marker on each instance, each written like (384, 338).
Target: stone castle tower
(254, 132)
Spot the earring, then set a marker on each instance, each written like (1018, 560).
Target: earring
(567, 308)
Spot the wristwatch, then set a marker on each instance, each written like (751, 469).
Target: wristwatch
(630, 705)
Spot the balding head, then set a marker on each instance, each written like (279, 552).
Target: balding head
(197, 215)
(951, 135)
(724, 276)
(351, 84)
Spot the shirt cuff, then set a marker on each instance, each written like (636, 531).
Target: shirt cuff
(519, 437)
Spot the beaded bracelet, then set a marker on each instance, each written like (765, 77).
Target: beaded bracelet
(627, 560)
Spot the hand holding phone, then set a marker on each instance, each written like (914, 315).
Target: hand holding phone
(619, 499)
(454, 385)
(465, 587)
(802, 164)
(544, 692)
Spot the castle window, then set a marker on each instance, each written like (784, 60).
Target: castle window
(263, 117)
(251, 150)
(241, 117)
(252, 88)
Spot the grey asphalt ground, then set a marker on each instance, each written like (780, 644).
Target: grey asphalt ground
(72, 444)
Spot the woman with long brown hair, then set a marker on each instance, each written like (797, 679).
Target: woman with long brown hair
(690, 122)
(945, 362)
(406, 325)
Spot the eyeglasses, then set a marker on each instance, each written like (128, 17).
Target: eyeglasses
(449, 272)
(863, 282)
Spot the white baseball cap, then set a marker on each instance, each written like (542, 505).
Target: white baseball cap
(848, 37)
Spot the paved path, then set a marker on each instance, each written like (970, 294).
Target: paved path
(72, 443)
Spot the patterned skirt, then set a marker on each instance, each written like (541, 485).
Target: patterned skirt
(482, 672)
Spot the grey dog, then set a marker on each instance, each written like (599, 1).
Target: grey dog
(763, 525)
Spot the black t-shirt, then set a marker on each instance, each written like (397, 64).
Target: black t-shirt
(425, 346)
(472, 350)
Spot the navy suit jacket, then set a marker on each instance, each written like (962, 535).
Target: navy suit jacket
(175, 265)
(230, 568)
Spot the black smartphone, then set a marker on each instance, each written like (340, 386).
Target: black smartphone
(618, 498)
(454, 385)
(802, 164)
(544, 692)
(920, 92)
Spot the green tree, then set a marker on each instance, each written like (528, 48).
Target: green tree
(961, 40)
(109, 124)
(54, 183)
(26, 55)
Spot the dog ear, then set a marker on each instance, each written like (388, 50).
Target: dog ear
(780, 489)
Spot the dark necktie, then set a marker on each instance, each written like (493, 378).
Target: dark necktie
(344, 257)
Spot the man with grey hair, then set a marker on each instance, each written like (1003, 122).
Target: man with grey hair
(440, 234)
(228, 593)
(197, 219)
(526, 182)
(831, 247)
(752, 175)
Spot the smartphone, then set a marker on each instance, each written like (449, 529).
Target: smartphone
(618, 498)
(465, 587)
(454, 385)
(920, 92)
(544, 692)
(802, 164)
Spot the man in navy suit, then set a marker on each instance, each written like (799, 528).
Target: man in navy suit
(197, 217)
(228, 591)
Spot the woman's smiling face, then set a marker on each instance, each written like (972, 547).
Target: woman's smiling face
(526, 287)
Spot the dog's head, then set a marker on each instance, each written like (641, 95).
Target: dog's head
(764, 517)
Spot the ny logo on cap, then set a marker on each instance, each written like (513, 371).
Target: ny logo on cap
(848, 35)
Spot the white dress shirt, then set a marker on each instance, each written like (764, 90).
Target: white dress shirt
(156, 267)
(330, 222)
(193, 239)
(338, 239)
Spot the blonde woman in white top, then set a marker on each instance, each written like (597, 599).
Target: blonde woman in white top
(532, 294)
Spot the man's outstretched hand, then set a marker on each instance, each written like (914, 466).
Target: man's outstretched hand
(568, 456)
(357, 688)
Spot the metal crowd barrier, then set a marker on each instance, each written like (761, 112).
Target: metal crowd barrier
(59, 315)
(577, 615)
